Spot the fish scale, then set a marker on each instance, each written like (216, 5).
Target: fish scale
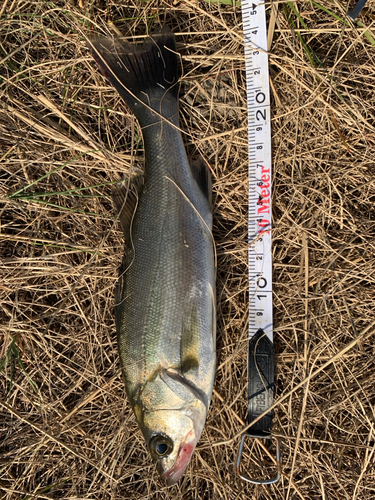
(155, 247)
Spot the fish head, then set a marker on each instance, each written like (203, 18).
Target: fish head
(171, 438)
(172, 419)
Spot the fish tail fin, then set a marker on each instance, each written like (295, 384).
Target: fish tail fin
(145, 77)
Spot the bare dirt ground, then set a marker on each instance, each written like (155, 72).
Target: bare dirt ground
(66, 429)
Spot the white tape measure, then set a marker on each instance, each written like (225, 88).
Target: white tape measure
(261, 353)
(259, 116)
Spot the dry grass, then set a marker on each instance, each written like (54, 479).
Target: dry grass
(66, 430)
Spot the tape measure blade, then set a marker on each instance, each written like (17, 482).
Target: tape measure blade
(260, 172)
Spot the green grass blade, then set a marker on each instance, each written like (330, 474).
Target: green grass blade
(49, 173)
(300, 18)
(327, 11)
(67, 209)
(368, 35)
(7, 354)
(68, 192)
(46, 489)
(17, 355)
(233, 3)
(310, 54)
(13, 352)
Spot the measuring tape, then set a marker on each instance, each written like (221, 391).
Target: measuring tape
(260, 162)
(261, 350)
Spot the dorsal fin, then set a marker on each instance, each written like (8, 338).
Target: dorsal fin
(125, 200)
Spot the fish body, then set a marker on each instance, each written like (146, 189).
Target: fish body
(165, 299)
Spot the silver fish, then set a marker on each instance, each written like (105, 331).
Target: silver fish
(165, 299)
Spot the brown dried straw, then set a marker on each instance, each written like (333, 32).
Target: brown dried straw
(66, 429)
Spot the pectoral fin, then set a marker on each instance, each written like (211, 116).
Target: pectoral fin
(190, 338)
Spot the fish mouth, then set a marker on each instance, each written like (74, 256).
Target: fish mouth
(185, 451)
(172, 475)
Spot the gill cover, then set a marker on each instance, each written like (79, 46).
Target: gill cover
(172, 419)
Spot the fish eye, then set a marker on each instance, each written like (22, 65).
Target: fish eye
(161, 446)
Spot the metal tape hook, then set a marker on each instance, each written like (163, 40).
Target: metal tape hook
(247, 478)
